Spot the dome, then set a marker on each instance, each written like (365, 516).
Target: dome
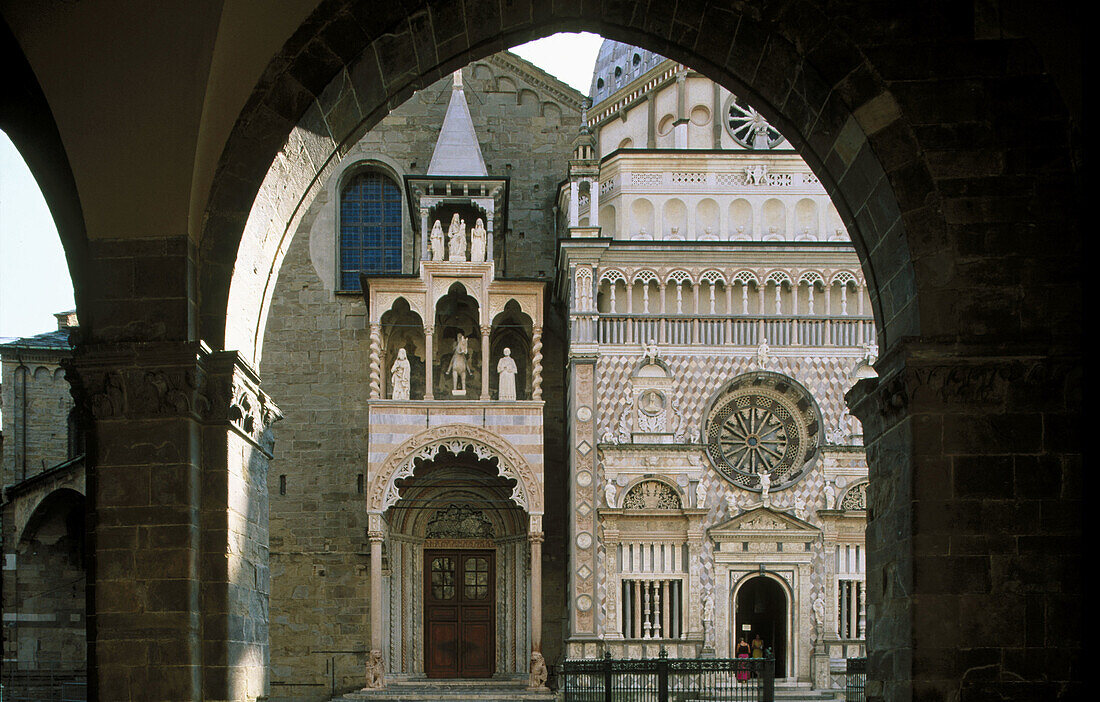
(616, 65)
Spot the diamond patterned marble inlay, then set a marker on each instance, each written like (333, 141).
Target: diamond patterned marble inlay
(585, 572)
(584, 447)
(583, 509)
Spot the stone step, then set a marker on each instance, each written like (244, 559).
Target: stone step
(423, 690)
(502, 691)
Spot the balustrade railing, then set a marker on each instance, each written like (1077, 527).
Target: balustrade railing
(710, 330)
(665, 679)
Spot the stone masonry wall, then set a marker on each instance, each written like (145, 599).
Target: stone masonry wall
(44, 419)
(315, 364)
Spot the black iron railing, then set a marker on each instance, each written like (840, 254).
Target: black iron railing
(666, 679)
(856, 677)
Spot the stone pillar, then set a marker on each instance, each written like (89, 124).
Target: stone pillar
(535, 539)
(973, 517)
(375, 361)
(177, 491)
(594, 202)
(536, 363)
(574, 203)
(425, 233)
(429, 362)
(485, 361)
(375, 669)
(489, 236)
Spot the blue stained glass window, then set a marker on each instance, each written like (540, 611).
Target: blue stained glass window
(370, 228)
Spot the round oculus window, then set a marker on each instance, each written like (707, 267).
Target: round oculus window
(749, 128)
(762, 423)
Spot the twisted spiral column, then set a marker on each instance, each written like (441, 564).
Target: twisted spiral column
(375, 361)
(536, 362)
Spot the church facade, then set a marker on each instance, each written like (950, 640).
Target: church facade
(527, 416)
(717, 316)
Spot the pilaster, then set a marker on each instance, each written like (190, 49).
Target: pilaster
(974, 462)
(177, 488)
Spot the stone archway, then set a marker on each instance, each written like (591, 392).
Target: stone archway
(383, 493)
(969, 234)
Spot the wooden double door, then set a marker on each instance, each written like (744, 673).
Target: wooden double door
(458, 613)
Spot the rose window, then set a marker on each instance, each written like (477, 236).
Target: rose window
(749, 128)
(762, 423)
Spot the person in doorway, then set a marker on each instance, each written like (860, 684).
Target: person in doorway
(743, 651)
(757, 647)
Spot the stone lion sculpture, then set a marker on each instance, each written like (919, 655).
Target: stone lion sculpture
(538, 671)
(376, 667)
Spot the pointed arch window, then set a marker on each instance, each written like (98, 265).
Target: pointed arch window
(370, 227)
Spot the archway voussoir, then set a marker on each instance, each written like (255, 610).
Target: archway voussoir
(344, 36)
(713, 46)
(747, 48)
(288, 99)
(378, 18)
(397, 60)
(895, 145)
(315, 67)
(366, 82)
(482, 21)
(779, 63)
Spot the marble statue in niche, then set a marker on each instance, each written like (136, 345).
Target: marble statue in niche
(506, 368)
(436, 240)
(830, 495)
(400, 376)
(456, 239)
(459, 363)
(477, 242)
(700, 495)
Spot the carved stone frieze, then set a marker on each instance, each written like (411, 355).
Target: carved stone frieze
(170, 380)
(931, 376)
(459, 522)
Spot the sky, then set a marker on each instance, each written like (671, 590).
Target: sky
(34, 279)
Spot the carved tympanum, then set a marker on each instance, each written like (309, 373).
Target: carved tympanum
(458, 522)
(651, 494)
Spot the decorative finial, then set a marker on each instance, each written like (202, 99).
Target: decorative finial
(458, 79)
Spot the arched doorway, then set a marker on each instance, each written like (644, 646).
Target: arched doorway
(456, 532)
(762, 610)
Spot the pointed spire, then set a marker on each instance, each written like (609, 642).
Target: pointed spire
(457, 152)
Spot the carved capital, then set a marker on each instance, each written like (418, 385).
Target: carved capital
(916, 377)
(164, 380)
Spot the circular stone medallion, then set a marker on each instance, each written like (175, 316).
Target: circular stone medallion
(584, 478)
(584, 540)
(584, 414)
(584, 603)
(762, 422)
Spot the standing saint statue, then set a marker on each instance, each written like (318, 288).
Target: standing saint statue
(456, 239)
(477, 242)
(765, 485)
(436, 240)
(458, 365)
(506, 368)
(400, 375)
